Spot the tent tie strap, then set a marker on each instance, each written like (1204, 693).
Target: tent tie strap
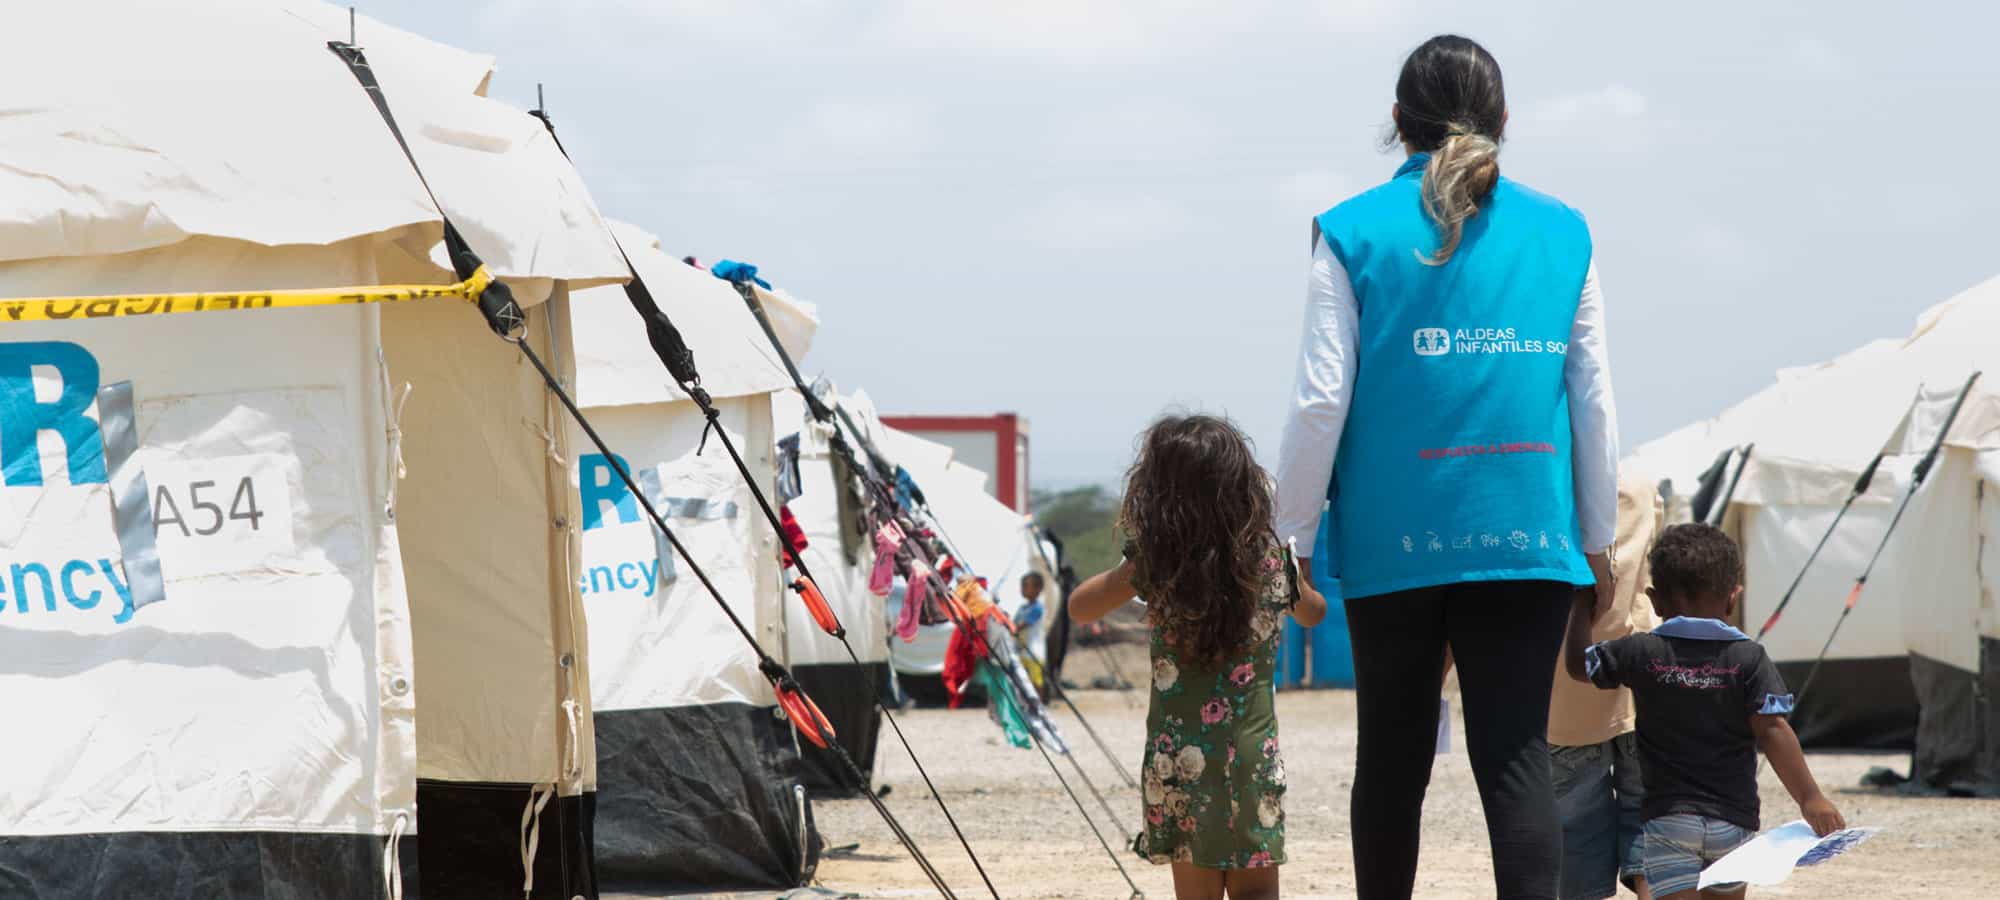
(531, 833)
(570, 712)
(392, 862)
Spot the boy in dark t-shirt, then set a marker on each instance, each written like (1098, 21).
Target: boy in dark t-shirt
(1707, 698)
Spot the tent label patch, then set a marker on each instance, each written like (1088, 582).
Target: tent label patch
(222, 514)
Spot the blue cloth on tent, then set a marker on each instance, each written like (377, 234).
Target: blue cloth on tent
(906, 489)
(737, 272)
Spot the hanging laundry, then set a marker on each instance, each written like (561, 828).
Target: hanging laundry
(907, 493)
(961, 661)
(915, 599)
(888, 540)
(934, 613)
(970, 600)
(795, 537)
(1003, 706)
(853, 511)
(1025, 695)
(738, 272)
(789, 486)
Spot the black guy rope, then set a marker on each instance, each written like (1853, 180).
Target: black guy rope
(505, 317)
(885, 497)
(678, 358)
(1118, 822)
(1064, 696)
(1917, 477)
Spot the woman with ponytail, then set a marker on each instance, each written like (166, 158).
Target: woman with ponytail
(1454, 403)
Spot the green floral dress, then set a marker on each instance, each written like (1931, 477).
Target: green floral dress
(1214, 784)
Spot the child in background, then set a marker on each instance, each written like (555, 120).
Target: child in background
(1708, 699)
(1592, 747)
(1217, 584)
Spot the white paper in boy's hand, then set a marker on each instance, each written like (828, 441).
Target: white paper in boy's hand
(1769, 858)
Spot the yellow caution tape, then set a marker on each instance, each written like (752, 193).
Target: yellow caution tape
(58, 309)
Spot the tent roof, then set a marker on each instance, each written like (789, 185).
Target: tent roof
(1835, 416)
(615, 365)
(232, 120)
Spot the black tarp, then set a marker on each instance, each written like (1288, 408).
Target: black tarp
(468, 844)
(701, 798)
(1855, 704)
(167, 865)
(846, 693)
(1708, 487)
(1958, 737)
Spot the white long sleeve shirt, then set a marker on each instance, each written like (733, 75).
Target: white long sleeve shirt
(1325, 389)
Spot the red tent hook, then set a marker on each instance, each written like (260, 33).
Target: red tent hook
(816, 604)
(805, 714)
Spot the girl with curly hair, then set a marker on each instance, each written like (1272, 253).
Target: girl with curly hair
(1216, 583)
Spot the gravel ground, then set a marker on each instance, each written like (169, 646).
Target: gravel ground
(1034, 843)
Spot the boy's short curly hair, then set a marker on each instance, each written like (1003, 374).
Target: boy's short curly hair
(1695, 560)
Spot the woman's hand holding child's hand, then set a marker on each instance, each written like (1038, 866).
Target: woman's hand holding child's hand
(1607, 583)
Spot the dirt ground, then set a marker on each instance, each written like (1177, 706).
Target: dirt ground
(1034, 843)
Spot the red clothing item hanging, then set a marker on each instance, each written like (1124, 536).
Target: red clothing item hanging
(961, 660)
(795, 537)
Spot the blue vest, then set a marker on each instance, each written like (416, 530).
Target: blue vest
(1455, 462)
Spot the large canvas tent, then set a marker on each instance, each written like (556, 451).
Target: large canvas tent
(334, 647)
(702, 781)
(1919, 659)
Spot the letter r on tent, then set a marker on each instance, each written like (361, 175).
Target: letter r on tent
(24, 416)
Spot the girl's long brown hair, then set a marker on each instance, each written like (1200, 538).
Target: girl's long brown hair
(1198, 511)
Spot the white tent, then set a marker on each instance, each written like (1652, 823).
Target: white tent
(702, 787)
(328, 633)
(1924, 633)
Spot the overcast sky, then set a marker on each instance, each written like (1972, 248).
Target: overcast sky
(1087, 212)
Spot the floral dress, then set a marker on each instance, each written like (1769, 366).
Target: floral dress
(1214, 783)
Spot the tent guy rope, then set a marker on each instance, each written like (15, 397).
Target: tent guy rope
(1917, 476)
(880, 477)
(674, 353)
(505, 317)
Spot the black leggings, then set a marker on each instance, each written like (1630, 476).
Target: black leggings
(1504, 636)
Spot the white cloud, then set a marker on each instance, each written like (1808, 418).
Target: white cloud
(1611, 102)
(1102, 220)
(1303, 195)
(1099, 32)
(1614, 114)
(1137, 129)
(1714, 245)
(1817, 58)
(1076, 33)
(855, 128)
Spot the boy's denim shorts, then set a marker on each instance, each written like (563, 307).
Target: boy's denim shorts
(1598, 793)
(1679, 847)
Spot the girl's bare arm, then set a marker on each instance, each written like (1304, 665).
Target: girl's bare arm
(1101, 593)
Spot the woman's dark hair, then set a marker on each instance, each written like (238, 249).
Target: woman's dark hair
(1198, 511)
(1695, 560)
(1451, 104)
